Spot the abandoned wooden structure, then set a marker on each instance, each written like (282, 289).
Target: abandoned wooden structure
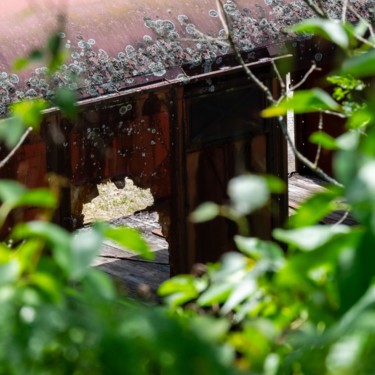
(163, 100)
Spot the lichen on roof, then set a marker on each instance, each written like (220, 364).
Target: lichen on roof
(169, 42)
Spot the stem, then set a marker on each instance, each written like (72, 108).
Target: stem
(319, 150)
(239, 220)
(250, 74)
(16, 147)
(278, 75)
(313, 67)
(303, 159)
(271, 99)
(344, 10)
(343, 218)
(317, 9)
(360, 18)
(4, 212)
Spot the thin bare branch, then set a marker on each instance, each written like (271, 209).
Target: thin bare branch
(250, 74)
(16, 147)
(343, 218)
(321, 7)
(364, 40)
(319, 149)
(302, 158)
(278, 75)
(344, 10)
(271, 99)
(313, 67)
(337, 114)
(363, 19)
(317, 9)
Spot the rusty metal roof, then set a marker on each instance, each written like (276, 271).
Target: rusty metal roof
(116, 44)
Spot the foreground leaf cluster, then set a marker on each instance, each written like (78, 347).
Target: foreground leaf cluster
(302, 304)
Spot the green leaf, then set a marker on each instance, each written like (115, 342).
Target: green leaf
(360, 66)
(55, 237)
(181, 289)
(36, 55)
(54, 43)
(15, 195)
(23, 62)
(353, 316)
(331, 30)
(11, 191)
(258, 249)
(310, 238)
(361, 28)
(303, 101)
(217, 293)
(205, 212)
(47, 283)
(210, 328)
(66, 99)
(298, 269)
(84, 247)
(224, 280)
(29, 111)
(317, 207)
(11, 130)
(129, 238)
(360, 119)
(9, 271)
(100, 285)
(242, 291)
(20, 64)
(38, 198)
(248, 193)
(275, 184)
(323, 139)
(347, 82)
(56, 51)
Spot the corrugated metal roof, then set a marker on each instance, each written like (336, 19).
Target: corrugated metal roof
(115, 44)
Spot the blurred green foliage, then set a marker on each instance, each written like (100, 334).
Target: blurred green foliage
(309, 309)
(59, 315)
(261, 310)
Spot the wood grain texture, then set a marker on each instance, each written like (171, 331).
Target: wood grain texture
(130, 270)
(301, 188)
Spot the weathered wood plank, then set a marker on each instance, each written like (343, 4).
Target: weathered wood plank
(301, 188)
(109, 251)
(129, 269)
(133, 275)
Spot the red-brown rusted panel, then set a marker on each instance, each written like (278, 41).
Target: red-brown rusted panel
(28, 166)
(123, 140)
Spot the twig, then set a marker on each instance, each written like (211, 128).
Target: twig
(271, 99)
(278, 75)
(250, 74)
(321, 6)
(364, 40)
(306, 76)
(344, 10)
(363, 19)
(303, 159)
(337, 114)
(319, 150)
(318, 10)
(16, 147)
(343, 218)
